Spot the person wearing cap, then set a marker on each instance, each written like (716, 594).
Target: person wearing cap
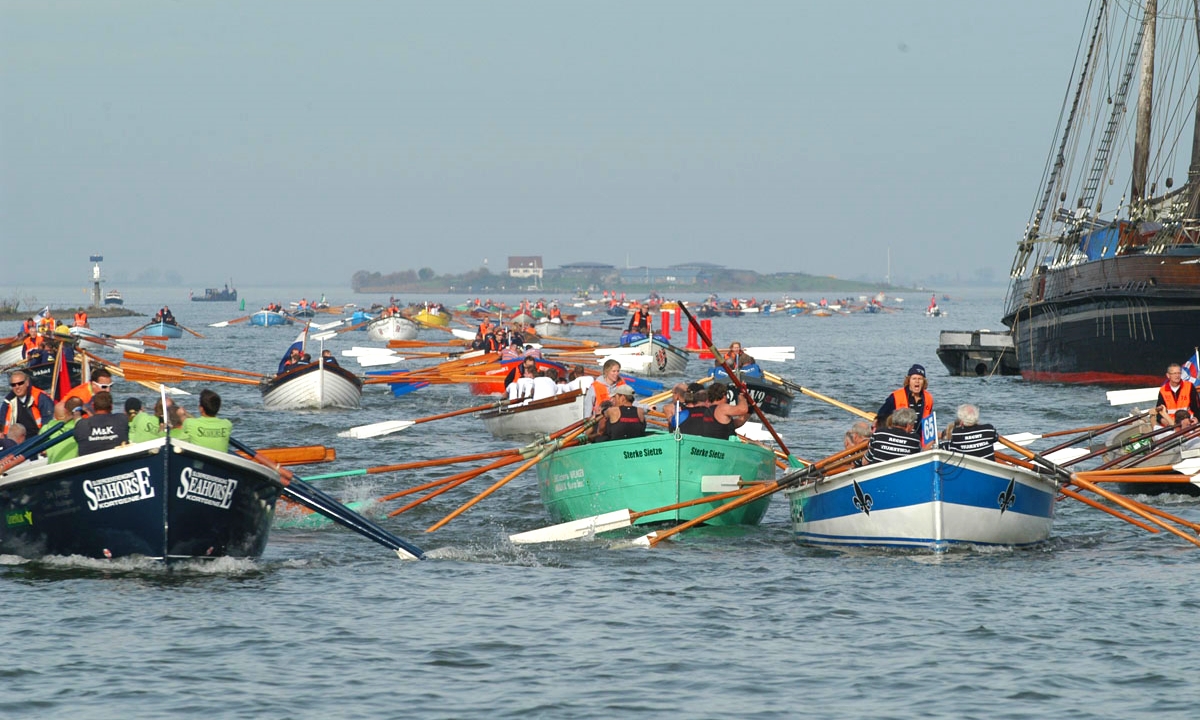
(143, 426)
(622, 419)
(914, 394)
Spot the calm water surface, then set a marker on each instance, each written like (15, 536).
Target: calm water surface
(1098, 623)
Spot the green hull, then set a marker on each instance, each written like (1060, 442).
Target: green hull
(650, 472)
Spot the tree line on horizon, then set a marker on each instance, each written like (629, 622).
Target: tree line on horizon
(481, 279)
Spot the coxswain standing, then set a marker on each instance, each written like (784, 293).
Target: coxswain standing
(913, 395)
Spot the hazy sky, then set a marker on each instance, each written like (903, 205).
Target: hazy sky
(281, 141)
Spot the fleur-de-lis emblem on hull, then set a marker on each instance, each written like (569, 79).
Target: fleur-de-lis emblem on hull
(862, 500)
(1008, 497)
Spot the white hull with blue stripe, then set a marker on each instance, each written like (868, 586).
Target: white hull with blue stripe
(929, 501)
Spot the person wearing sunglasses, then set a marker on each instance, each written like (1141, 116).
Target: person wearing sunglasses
(101, 381)
(25, 404)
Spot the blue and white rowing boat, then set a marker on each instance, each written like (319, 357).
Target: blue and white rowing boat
(268, 318)
(163, 329)
(933, 501)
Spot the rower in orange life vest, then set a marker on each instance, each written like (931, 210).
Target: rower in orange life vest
(736, 358)
(914, 395)
(81, 318)
(1176, 394)
(555, 313)
(640, 321)
(45, 325)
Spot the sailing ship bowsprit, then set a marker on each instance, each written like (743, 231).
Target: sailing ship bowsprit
(1106, 280)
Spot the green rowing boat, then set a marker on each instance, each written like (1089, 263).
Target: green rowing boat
(650, 472)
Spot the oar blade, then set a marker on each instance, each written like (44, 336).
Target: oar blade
(387, 427)
(1066, 455)
(575, 529)
(1021, 438)
(378, 360)
(1129, 397)
(1188, 466)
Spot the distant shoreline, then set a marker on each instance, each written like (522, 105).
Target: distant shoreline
(67, 315)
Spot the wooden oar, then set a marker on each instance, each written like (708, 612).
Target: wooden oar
(1124, 502)
(414, 465)
(818, 396)
(55, 371)
(225, 323)
(566, 441)
(164, 360)
(294, 488)
(700, 333)
(447, 484)
(790, 480)
(591, 526)
(154, 373)
(157, 387)
(192, 331)
(135, 332)
(298, 455)
(406, 344)
(393, 426)
(1174, 439)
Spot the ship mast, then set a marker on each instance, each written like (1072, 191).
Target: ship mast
(1141, 143)
(1193, 194)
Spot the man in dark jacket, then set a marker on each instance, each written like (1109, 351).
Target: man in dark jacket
(102, 430)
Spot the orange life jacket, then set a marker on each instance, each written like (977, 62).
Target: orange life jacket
(602, 391)
(35, 394)
(900, 397)
(81, 319)
(1172, 403)
(83, 391)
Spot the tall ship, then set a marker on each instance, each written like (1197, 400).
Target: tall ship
(1105, 285)
(227, 294)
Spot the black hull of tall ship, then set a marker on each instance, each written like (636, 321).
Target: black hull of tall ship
(157, 500)
(1121, 320)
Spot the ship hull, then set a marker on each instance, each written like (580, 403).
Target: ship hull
(1120, 320)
